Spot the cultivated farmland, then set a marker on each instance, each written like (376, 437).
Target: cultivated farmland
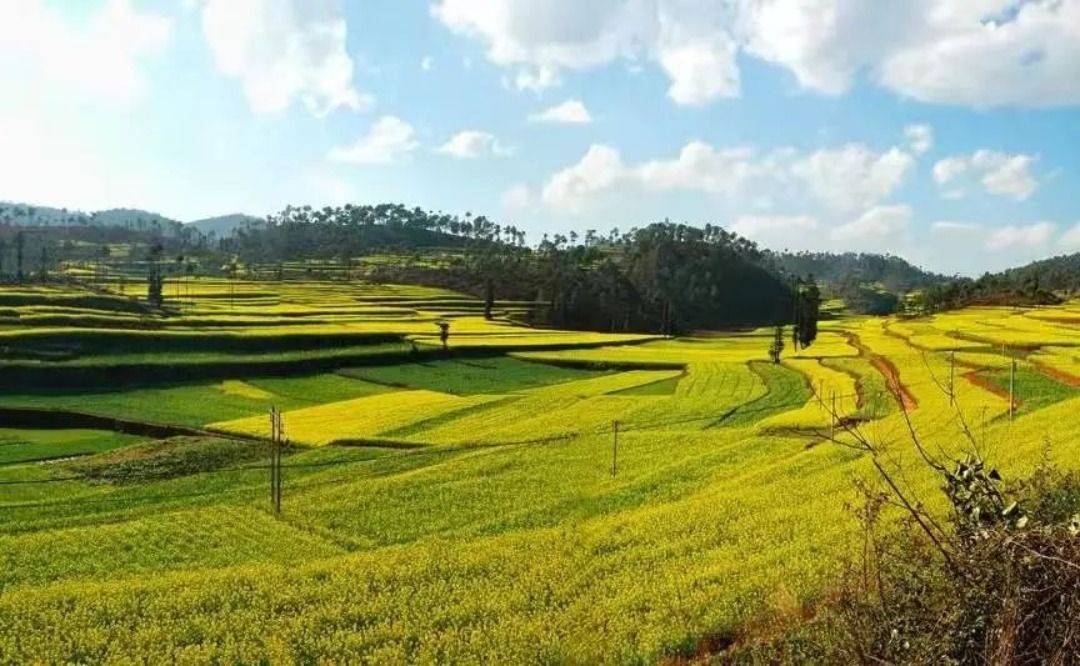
(471, 504)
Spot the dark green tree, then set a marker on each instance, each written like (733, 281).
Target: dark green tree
(808, 305)
(444, 335)
(777, 346)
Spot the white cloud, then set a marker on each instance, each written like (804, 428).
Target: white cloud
(1028, 55)
(950, 168)
(570, 112)
(1020, 236)
(845, 179)
(540, 39)
(700, 70)
(944, 51)
(1070, 240)
(700, 166)
(426, 63)
(874, 229)
(389, 140)
(100, 56)
(854, 176)
(281, 50)
(920, 138)
(697, 167)
(999, 173)
(824, 43)
(573, 188)
(470, 144)
(1006, 175)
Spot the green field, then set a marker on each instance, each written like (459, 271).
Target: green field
(468, 506)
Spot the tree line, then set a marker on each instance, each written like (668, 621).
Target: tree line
(662, 277)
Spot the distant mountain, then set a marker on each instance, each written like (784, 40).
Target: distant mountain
(887, 271)
(46, 216)
(224, 225)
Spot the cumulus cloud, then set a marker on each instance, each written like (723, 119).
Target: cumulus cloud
(574, 187)
(1020, 236)
(426, 63)
(570, 112)
(999, 173)
(700, 166)
(471, 144)
(824, 43)
(282, 50)
(101, 57)
(538, 40)
(943, 51)
(388, 140)
(990, 54)
(700, 69)
(697, 167)
(874, 229)
(854, 176)
(846, 179)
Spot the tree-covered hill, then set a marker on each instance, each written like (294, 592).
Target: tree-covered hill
(1061, 273)
(662, 276)
(1041, 282)
(889, 272)
(225, 225)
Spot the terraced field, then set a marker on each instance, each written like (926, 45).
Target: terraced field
(464, 506)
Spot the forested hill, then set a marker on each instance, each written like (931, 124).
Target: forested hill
(890, 272)
(1041, 282)
(225, 225)
(663, 276)
(352, 231)
(1061, 273)
(26, 215)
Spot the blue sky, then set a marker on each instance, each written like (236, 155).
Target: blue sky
(946, 132)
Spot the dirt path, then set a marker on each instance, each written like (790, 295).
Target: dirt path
(985, 384)
(888, 370)
(1065, 378)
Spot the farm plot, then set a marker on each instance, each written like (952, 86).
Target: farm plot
(550, 543)
(352, 421)
(197, 404)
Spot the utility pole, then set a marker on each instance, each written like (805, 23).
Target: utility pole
(832, 421)
(614, 448)
(1012, 389)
